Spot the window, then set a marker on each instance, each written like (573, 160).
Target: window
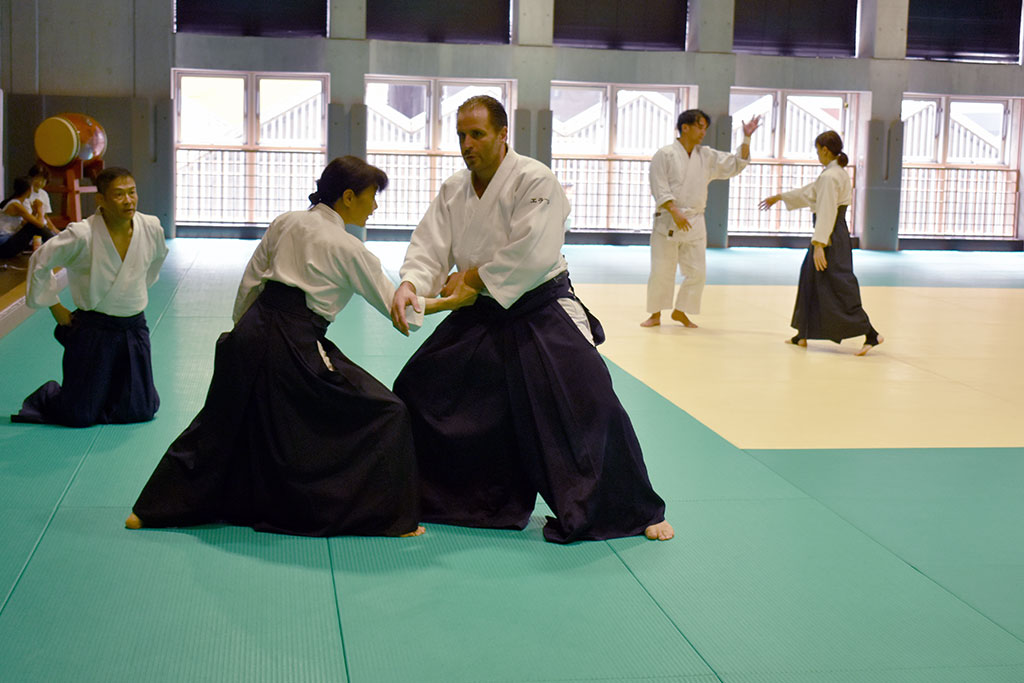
(796, 28)
(427, 21)
(783, 156)
(979, 30)
(248, 146)
(603, 138)
(411, 137)
(246, 18)
(618, 25)
(957, 180)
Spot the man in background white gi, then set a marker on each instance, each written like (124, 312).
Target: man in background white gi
(509, 397)
(680, 174)
(111, 259)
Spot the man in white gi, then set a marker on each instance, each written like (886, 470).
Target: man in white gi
(509, 397)
(111, 259)
(680, 174)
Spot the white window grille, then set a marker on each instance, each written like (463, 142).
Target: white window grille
(248, 146)
(411, 136)
(601, 152)
(783, 156)
(957, 180)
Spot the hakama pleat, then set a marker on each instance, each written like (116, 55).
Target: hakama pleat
(108, 374)
(285, 444)
(510, 403)
(828, 304)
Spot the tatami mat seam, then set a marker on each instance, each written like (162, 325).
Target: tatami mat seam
(46, 526)
(337, 609)
(661, 608)
(170, 299)
(894, 553)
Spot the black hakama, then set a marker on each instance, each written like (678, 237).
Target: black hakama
(509, 403)
(283, 443)
(108, 374)
(828, 302)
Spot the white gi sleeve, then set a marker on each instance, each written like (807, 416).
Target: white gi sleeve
(65, 249)
(367, 278)
(825, 209)
(159, 252)
(799, 198)
(536, 234)
(252, 279)
(660, 188)
(428, 259)
(724, 165)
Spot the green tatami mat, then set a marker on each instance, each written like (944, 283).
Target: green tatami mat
(20, 528)
(465, 605)
(782, 587)
(120, 462)
(685, 459)
(209, 604)
(989, 674)
(954, 514)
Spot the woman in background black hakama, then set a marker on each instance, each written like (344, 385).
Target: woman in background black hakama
(828, 304)
(294, 437)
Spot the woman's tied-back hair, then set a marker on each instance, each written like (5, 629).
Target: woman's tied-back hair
(346, 173)
(831, 141)
(495, 111)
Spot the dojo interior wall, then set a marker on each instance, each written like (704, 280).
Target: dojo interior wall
(113, 58)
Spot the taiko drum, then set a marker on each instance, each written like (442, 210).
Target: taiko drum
(65, 138)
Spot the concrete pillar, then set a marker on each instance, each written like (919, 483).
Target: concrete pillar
(883, 29)
(883, 39)
(534, 22)
(347, 19)
(710, 26)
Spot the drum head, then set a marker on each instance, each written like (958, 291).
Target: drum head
(56, 141)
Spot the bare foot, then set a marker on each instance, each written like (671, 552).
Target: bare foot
(802, 343)
(662, 531)
(653, 321)
(133, 522)
(681, 317)
(419, 532)
(867, 347)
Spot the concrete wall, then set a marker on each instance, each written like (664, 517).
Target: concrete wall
(112, 59)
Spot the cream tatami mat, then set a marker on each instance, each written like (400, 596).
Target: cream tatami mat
(950, 373)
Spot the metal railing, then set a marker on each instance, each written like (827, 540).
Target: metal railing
(958, 202)
(606, 194)
(242, 187)
(760, 180)
(413, 182)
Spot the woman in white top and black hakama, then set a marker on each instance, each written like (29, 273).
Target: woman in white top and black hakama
(828, 304)
(294, 437)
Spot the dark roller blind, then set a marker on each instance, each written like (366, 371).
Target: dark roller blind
(249, 18)
(966, 29)
(430, 21)
(621, 24)
(798, 28)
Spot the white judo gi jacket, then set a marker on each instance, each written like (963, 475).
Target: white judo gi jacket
(683, 178)
(98, 279)
(513, 234)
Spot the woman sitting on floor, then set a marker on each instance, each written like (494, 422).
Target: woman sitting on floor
(19, 223)
(294, 437)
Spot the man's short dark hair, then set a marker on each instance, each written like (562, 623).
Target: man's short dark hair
(495, 111)
(690, 118)
(108, 175)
